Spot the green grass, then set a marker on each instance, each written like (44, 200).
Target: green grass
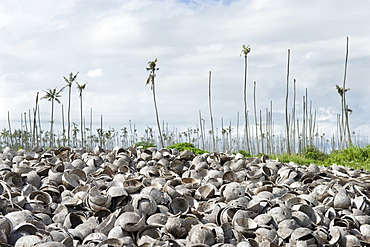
(352, 157)
(145, 144)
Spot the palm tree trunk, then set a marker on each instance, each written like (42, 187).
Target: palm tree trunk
(34, 131)
(344, 98)
(286, 106)
(293, 118)
(245, 103)
(69, 114)
(82, 133)
(237, 132)
(156, 113)
(255, 117)
(64, 130)
(10, 129)
(210, 110)
(51, 123)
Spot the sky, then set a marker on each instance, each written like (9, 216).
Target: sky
(109, 42)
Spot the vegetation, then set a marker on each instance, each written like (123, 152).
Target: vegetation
(301, 142)
(353, 157)
(145, 144)
(187, 146)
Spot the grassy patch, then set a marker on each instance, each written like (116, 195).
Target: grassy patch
(353, 157)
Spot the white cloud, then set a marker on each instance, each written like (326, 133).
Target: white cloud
(94, 73)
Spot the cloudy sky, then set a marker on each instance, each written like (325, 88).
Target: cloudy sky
(109, 42)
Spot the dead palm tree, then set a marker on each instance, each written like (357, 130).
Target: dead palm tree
(80, 88)
(286, 106)
(69, 82)
(152, 68)
(52, 95)
(345, 106)
(245, 51)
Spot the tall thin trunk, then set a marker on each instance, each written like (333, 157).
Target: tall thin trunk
(201, 129)
(300, 149)
(210, 110)
(156, 113)
(10, 129)
(81, 120)
(69, 114)
(286, 105)
(307, 123)
(38, 116)
(344, 97)
(262, 135)
(237, 131)
(64, 130)
(51, 123)
(255, 116)
(91, 139)
(34, 129)
(293, 117)
(303, 125)
(101, 130)
(245, 103)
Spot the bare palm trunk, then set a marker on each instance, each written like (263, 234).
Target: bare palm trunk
(237, 132)
(69, 115)
(293, 118)
(245, 103)
(345, 107)
(81, 119)
(255, 116)
(286, 106)
(51, 123)
(10, 129)
(64, 130)
(34, 130)
(201, 129)
(210, 110)
(156, 113)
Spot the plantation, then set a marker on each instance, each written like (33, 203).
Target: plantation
(252, 134)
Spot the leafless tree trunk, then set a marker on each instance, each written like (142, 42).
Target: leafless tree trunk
(210, 110)
(255, 116)
(286, 105)
(344, 98)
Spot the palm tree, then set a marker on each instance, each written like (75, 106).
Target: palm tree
(345, 107)
(245, 51)
(52, 95)
(152, 69)
(80, 89)
(69, 82)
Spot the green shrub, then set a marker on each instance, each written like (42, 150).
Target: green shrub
(313, 153)
(145, 144)
(187, 146)
(353, 157)
(244, 153)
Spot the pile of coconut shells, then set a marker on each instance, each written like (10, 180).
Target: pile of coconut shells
(137, 197)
